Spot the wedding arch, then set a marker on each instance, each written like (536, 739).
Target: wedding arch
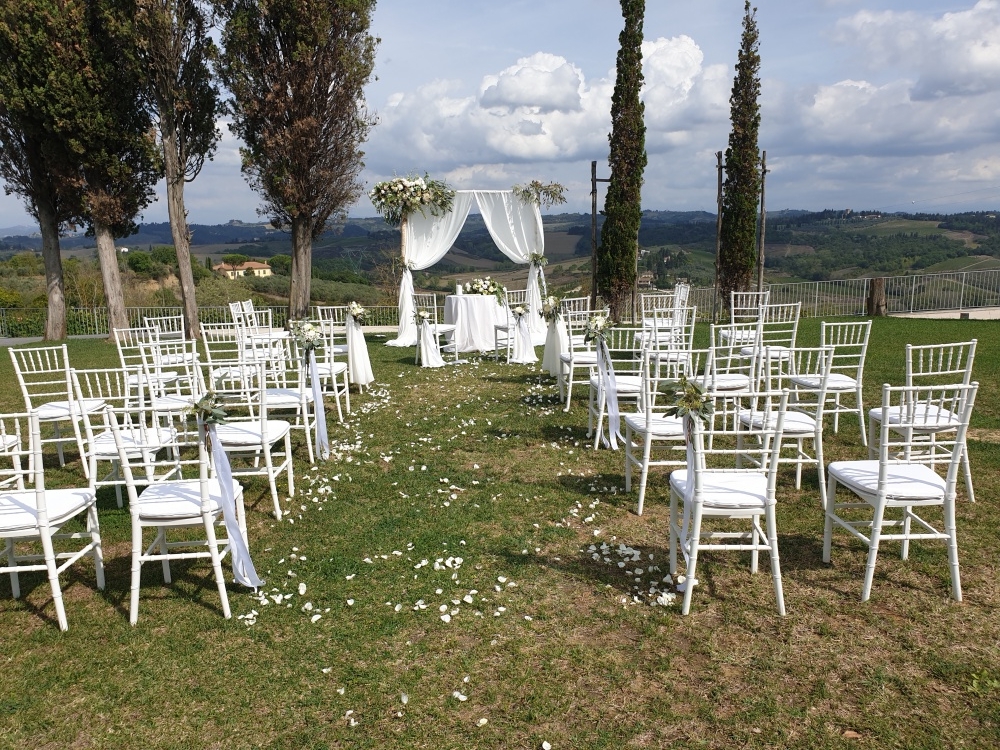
(515, 224)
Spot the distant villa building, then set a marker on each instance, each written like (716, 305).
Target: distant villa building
(646, 279)
(250, 268)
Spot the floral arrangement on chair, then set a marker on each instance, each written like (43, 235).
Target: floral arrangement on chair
(550, 309)
(485, 286)
(399, 197)
(597, 327)
(208, 408)
(357, 312)
(306, 335)
(689, 398)
(422, 315)
(519, 311)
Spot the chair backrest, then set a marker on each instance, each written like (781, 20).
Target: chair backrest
(332, 313)
(574, 304)
(909, 412)
(423, 301)
(746, 307)
(649, 304)
(805, 372)
(43, 374)
(15, 450)
(626, 346)
(661, 367)
(850, 346)
(173, 364)
(166, 326)
(576, 327)
(681, 293)
(673, 328)
(128, 341)
(940, 364)
(732, 445)
(779, 324)
(160, 459)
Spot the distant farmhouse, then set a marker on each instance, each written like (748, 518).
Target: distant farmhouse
(250, 268)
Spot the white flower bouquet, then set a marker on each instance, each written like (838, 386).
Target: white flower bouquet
(399, 197)
(485, 286)
(597, 327)
(422, 315)
(306, 335)
(550, 309)
(357, 312)
(519, 311)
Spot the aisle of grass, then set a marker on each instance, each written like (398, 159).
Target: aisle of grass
(446, 548)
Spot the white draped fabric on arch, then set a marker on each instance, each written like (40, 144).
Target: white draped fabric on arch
(514, 225)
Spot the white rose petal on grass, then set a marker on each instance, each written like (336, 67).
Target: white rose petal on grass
(446, 617)
(482, 722)
(546, 746)
(350, 602)
(314, 618)
(459, 697)
(340, 690)
(404, 698)
(302, 589)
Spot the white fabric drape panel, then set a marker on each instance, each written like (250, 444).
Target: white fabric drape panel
(430, 355)
(426, 240)
(359, 366)
(516, 228)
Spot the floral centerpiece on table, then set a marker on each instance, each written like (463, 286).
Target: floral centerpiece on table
(307, 335)
(550, 308)
(399, 197)
(357, 312)
(597, 327)
(485, 286)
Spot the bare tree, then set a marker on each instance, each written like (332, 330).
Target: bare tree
(297, 71)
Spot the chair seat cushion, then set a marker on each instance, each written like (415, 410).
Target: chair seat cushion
(726, 381)
(443, 327)
(326, 369)
(172, 501)
(59, 410)
(726, 490)
(171, 403)
(104, 447)
(796, 423)
(18, 511)
(286, 398)
(246, 434)
(925, 417)
(836, 382)
(579, 358)
(778, 351)
(738, 335)
(660, 425)
(905, 483)
(624, 384)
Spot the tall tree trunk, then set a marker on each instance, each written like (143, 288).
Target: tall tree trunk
(181, 235)
(298, 294)
(111, 276)
(55, 323)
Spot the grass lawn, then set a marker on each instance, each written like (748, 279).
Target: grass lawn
(468, 492)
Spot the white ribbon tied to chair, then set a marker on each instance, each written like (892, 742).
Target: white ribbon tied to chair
(524, 350)
(609, 390)
(322, 441)
(359, 366)
(239, 553)
(688, 503)
(556, 343)
(430, 355)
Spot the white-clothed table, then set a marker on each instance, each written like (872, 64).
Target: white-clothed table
(474, 316)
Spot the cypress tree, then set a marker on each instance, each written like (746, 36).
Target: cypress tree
(741, 191)
(616, 256)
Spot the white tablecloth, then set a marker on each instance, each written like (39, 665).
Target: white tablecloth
(474, 316)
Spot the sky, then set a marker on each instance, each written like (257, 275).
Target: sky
(865, 104)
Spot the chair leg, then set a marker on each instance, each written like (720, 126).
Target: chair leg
(347, 394)
(873, 542)
(673, 533)
(133, 609)
(692, 567)
(861, 417)
(272, 481)
(291, 478)
(755, 541)
(161, 538)
(836, 413)
(95, 538)
(569, 389)
(50, 565)
(968, 474)
(772, 540)
(872, 448)
(820, 468)
(800, 442)
(15, 585)
(647, 449)
(829, 508)
(950, 530)
(213, 550)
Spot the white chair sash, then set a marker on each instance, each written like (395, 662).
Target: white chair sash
(430, 355)
(556, 344)
(524, 350)
(322, 441)
(606, 374)
(239, 553)
(359, 365)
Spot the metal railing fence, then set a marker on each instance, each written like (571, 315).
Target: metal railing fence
(959, 290)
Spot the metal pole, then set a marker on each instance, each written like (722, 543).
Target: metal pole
(593, 235)
(718, 235)
(763, 221)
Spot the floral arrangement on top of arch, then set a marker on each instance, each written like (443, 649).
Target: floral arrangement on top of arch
(399, 197)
